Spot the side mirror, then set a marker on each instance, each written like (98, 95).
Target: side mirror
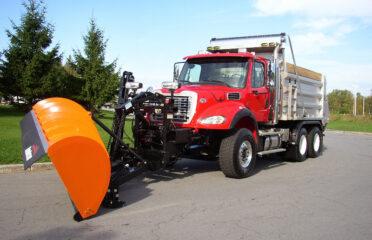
(177, 70)
(271, 76)
(170, 85)
(270, 84)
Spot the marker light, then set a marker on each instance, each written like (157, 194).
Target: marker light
(213, 120)
(272, 44)
(264, 45)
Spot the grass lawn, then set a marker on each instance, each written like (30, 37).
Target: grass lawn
(350, 123)
(10, 134)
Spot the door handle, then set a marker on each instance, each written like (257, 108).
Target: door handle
(255, 92)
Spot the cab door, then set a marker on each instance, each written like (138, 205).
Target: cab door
(258, 95)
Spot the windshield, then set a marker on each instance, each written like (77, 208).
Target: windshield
(230, 72)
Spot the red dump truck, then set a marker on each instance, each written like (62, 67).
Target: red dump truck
(232, 103)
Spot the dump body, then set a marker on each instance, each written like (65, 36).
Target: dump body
(302, 96)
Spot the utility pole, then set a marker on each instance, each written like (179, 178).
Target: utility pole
(355, 104)
(363, 105)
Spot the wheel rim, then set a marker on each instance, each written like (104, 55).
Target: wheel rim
(245, 154)
(303, 145)
(316, 142)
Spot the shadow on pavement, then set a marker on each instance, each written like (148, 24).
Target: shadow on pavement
(137, 189)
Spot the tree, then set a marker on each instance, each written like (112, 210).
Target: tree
(368, 105)
(99, 79)
(29, 70)
(341, 101)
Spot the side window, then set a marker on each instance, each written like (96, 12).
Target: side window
(258, 78)
(193, 73)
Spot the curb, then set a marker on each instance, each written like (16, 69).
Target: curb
(18, 168)
(349, 132)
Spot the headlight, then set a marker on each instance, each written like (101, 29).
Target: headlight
(213, 120)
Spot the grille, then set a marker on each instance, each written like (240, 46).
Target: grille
(233, 96)
(182, 103)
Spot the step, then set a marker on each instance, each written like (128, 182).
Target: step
(271, 151)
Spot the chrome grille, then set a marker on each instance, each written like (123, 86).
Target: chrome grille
(183, 104)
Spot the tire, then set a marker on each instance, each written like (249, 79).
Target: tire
(315, 142)
(238, 154)
(171, 162)
(298, 152)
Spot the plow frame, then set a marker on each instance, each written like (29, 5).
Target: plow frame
(154, 145)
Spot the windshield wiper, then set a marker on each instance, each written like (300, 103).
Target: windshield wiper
(215, 81)
(186, 81)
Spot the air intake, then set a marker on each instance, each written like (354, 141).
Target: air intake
(233, 96)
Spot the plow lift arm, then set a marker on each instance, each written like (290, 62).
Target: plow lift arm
(66, 132)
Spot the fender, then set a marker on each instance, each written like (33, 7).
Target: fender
(300, 124)
(245, 113)
(226, 109)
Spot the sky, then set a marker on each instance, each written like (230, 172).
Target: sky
(332, 37)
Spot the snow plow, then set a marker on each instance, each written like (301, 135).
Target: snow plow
(66, 132)
(238, 101)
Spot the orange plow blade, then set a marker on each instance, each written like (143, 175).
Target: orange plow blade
(65, 130)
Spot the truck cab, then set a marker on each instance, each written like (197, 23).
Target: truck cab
(242, 77)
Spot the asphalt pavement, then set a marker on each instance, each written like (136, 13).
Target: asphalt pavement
(329, 197)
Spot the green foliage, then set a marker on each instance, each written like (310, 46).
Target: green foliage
(31, 70)
(341, 101)
(99, 79)
(368, 105)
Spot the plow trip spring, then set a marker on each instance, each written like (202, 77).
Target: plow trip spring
(91, 174)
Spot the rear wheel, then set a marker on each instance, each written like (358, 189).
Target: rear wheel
(315, 142)
(298, 152)
(238, 154)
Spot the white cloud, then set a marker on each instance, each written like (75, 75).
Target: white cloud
(353, 77)
(319, 24)
(344, 29)
(315, 8)
(313, 42)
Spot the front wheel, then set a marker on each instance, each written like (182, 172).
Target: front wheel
(238, 154)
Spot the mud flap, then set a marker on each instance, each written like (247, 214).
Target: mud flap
(65, 131)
